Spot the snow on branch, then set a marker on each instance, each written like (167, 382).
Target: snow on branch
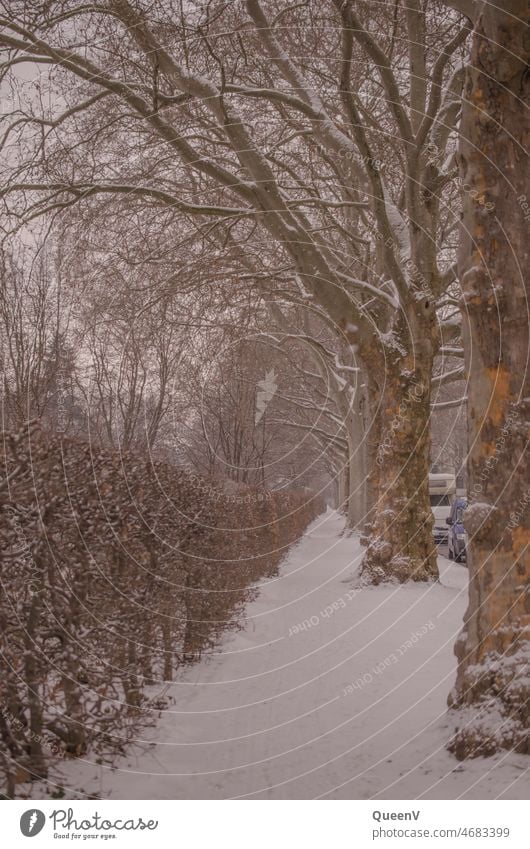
(445, 405)
(451, 352)
(397, 224)
(449, 376)
(86, 190)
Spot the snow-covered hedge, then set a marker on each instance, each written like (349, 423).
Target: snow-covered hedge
(114, 571)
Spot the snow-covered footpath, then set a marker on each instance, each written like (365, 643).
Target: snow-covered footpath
(328, 692)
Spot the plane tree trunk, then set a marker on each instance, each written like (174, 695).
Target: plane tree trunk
(356, 511)
(492, 693)
(401, 545)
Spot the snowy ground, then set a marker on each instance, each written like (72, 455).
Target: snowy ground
(351, 706)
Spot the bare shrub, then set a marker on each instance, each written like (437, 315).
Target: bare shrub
(114, 571)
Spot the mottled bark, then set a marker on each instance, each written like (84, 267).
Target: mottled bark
(492, 690)
(401, 545)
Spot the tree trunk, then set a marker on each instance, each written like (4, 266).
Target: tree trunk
(492, 690)
(168, 650)
(372, 441)
(343, 486)
(401, 545)
(356, 464)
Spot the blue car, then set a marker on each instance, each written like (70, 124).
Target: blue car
(457, 540)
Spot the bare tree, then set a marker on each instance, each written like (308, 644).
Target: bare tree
(493, 650)
(252, 144)
(37, 361)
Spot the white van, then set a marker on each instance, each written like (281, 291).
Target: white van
(442, 490)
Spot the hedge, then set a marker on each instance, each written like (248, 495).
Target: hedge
(115, 570)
